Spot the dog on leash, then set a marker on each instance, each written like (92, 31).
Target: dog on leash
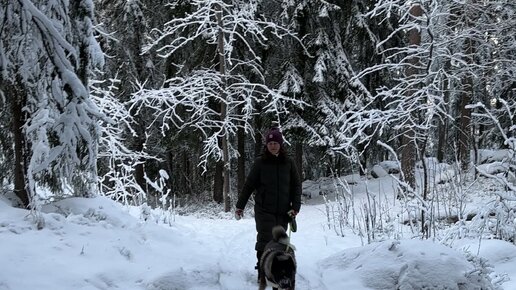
(278, 262)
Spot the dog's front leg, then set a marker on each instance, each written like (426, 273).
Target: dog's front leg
(263, 282)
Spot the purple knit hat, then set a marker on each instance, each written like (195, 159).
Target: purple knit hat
(274, 134)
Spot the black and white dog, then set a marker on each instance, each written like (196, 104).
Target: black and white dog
(278, 262)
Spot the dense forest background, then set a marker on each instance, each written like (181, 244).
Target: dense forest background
(159, 101)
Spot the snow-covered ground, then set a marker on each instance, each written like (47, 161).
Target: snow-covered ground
(99, 244)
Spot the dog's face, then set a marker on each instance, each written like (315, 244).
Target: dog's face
(284, 271)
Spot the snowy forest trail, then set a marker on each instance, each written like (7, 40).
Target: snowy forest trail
(229, 245)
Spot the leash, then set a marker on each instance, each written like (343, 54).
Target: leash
(289, 235)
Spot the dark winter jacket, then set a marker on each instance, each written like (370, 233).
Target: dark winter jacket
(277, 187)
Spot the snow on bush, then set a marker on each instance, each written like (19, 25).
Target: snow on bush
(405, 265)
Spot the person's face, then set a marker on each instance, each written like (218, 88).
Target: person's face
(273, 147)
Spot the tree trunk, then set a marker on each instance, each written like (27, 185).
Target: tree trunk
(465, 115)
(464, 127)
(218, 183)
(19, 146)
(443, 123)
(408, 142)
(223, 111)
(441, 143)
(362, 159)
(241, 159)
(408, 157)
(299, 159)
(258, 144)
(139, 169)
(425, 228)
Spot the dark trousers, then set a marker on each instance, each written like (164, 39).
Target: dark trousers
(258, 257)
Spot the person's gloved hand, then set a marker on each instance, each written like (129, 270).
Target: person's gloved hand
(292, 213)
(239, 213)
(293, 224)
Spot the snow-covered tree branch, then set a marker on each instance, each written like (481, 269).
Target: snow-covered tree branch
(47, 51)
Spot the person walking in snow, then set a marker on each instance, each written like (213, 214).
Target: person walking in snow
(275, 180)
